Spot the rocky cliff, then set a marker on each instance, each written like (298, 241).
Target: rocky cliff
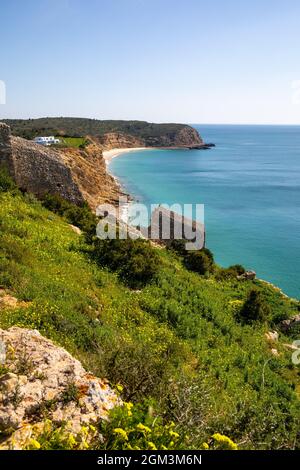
(137, 133)
(76, 175)
(113, 140)
(80, 174)
(88, 169)
(40, 374)
(36, 169)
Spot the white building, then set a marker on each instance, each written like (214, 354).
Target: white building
(46, 140)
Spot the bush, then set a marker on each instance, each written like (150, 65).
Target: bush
(178, 246)
(135, 261)
(138, 428)
(6, 182)
(201, 261)
(255, 308)
(230, 272)
(81, 216)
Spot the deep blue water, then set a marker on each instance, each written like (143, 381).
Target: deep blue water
(250, 185)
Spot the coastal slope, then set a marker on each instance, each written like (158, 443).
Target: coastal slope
(79, 174)
(108, 133)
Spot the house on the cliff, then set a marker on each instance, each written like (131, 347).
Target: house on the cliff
(49, 140)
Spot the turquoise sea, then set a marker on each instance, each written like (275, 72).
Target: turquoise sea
(250, 186)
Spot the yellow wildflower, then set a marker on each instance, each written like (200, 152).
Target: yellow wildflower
(120, 388)
(225, 442)
(128, 407)
(143, 428)
(204, 446)
(152, 446)
(174, 434)
(34, 444)
(121, 433)
(71, 440)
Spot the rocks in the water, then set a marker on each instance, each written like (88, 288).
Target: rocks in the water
(37, 373)
(247, 276)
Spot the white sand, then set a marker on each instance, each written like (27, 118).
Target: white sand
(108, 155)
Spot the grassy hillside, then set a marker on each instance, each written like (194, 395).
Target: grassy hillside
(176, 344)
(77, 127)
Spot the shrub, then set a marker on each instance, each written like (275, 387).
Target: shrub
(138, 428)
(6, 182)
(178, 246)
(135, 261)
(201, 261)
(255, 308)
(81, 216)
(230, 272)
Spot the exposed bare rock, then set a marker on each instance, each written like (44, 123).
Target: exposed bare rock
(76, 229)
(37, 169)
(286, 325)
(88, 169)
(185, 137)
(275, 352)
(292, 347)
(272, 336)
(80, 175)
(113, 140)
(141, 133)
(38, 373)
(74, 174)
(9, 301)
(247, 276)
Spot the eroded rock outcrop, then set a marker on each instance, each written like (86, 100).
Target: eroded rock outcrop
(113, 140)
(88, 169)
(39, 373)
(76, 175)
(37, 169)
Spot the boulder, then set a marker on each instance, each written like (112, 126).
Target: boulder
(39, 371)
(247, 276)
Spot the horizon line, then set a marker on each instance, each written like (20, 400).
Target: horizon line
(156, 122)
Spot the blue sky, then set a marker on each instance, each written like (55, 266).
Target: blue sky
(191, 61)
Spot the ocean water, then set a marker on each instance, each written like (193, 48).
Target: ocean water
(250, 186)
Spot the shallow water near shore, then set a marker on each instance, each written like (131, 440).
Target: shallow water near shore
(250, 186)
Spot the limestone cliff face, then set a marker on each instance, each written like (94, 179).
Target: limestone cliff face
(88, 170)
(185, 137)
(37, 169)
(38, 371)
(80, 174)
(113, 140)
(76, 175)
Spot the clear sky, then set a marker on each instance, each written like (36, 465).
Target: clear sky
(213, 61)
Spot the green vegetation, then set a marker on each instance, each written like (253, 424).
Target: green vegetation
(134, 260)
(255, 308)
(202, 261)
(78, 127)
(76, 142)
(177, 346)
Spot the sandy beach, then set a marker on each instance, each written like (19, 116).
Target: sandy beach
(108, 155)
